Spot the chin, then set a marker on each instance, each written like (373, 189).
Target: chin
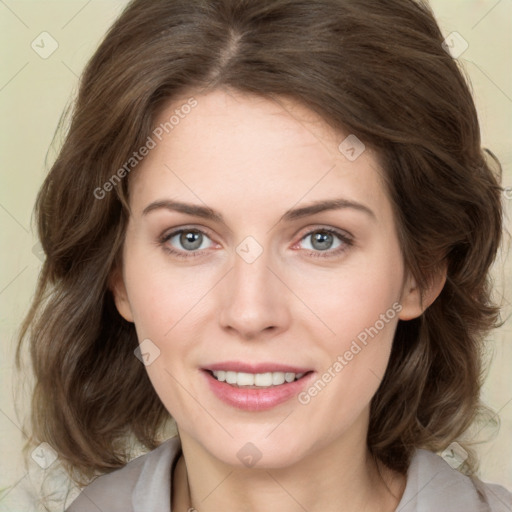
(256, 451)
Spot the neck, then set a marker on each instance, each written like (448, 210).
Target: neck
(341, 476)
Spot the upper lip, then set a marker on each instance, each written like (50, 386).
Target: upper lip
(238, 366)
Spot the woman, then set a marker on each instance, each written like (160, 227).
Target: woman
(273, 222)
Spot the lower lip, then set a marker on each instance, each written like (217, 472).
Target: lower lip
(256, 399)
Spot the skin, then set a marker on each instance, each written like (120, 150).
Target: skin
(251, 159)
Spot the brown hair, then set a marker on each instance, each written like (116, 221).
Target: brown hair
(370, 68)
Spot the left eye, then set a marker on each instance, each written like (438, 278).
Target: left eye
(325, 240)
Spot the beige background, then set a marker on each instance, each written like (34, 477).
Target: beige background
(34, 91)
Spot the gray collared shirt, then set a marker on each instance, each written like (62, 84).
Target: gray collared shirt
(144, 485)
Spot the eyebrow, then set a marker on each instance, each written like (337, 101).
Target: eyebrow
(207, 213)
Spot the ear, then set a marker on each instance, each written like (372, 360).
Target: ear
(413, 302)
(118, 289)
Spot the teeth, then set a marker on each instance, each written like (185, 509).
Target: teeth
(263, 380)
(289, 377)
(278, 378)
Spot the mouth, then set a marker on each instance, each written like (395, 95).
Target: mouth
(256, 387)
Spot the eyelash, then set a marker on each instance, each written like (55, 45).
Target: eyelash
(344, 238)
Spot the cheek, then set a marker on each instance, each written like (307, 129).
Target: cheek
(353, 296)
(359, 303)
(162, 295)
(162, 301)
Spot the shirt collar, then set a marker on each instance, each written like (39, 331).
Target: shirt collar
(432, 484)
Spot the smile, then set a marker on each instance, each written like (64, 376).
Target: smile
(256, 390)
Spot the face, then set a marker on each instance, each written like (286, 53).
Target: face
(227, 267)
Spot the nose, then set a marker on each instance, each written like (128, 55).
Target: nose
(254, 299)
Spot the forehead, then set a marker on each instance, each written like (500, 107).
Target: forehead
(232, 145)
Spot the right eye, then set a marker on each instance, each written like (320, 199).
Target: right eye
(185, 240)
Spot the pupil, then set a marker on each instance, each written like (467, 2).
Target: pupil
(324, 240)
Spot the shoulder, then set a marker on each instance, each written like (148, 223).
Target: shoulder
(143, 484)
(496, 496)
(432, 484)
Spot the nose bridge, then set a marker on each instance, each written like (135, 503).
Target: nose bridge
(251, 275)
(251, 300)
